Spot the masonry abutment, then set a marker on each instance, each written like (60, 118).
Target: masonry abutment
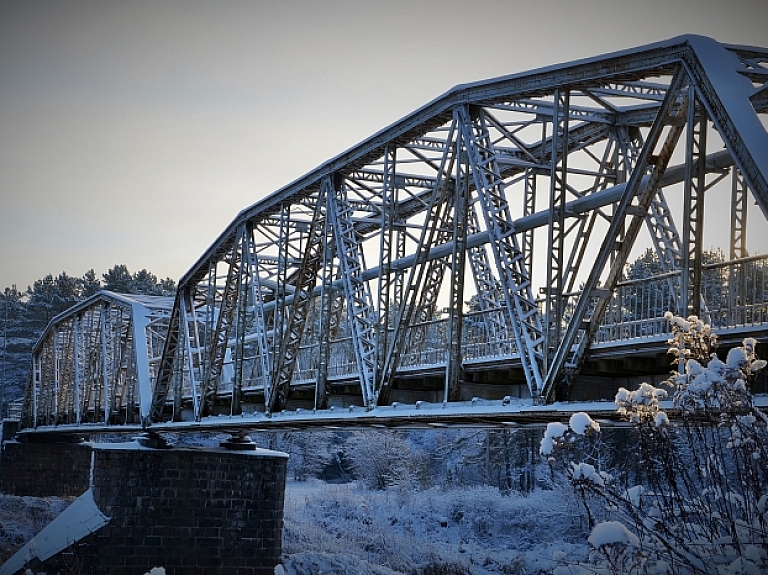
(44, 469)
(189, 510)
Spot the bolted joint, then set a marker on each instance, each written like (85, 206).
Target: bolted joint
(239, 441)
(153, 440)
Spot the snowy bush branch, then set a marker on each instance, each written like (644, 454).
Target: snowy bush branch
(700, 506)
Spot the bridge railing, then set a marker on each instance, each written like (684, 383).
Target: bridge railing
(736, 292)
(734, 295)
(635, 313)
(636, 309)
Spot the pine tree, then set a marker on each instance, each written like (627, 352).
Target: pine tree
(144, 283)
(91, 284)
(118, 279)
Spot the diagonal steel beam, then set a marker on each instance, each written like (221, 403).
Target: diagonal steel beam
(515, 279)
(593, 299)
(306, 280)
(360, 310)
(726, 94)
(436, 213)
(219, 337)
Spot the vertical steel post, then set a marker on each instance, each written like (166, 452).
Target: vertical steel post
(737, 273)
(693, 222)
(453, 367)
(36, 388)
(386, 236)
(739, 195)
(553, 307)
(260, 324)
(104, 361)
(529, 208)
(193, 380)
(140, 321)
(327, 298)
(77, 322)
(241, 308)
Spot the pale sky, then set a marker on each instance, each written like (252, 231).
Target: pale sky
(134, 132)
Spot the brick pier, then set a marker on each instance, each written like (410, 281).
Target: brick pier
(59, 469)
(190, 510)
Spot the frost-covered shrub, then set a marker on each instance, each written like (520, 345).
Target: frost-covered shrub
(385, 459)
(691, 338)
(642, 405)
(561, 443)
(700, 504)
(559, 435)
(580, 437)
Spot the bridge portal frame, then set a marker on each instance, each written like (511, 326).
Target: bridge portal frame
(95, 362)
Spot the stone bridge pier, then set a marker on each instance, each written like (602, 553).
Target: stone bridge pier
(210, 511)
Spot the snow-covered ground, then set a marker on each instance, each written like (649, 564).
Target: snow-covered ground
(348, 528)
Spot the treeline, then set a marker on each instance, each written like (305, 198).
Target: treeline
(25, 314)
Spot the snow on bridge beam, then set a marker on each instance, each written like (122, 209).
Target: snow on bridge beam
(505, 412)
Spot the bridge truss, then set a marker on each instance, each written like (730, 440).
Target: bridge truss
(489, 229)
(95, 363)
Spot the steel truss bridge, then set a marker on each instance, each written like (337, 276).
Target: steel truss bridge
(476, 248)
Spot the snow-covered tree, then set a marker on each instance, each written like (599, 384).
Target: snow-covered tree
(310, 451)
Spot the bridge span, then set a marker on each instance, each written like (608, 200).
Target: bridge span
(473, 253)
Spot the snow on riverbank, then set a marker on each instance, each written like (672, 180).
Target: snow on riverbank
(21, 518)
(346, 528)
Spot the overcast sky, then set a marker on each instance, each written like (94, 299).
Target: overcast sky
(133, 132)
